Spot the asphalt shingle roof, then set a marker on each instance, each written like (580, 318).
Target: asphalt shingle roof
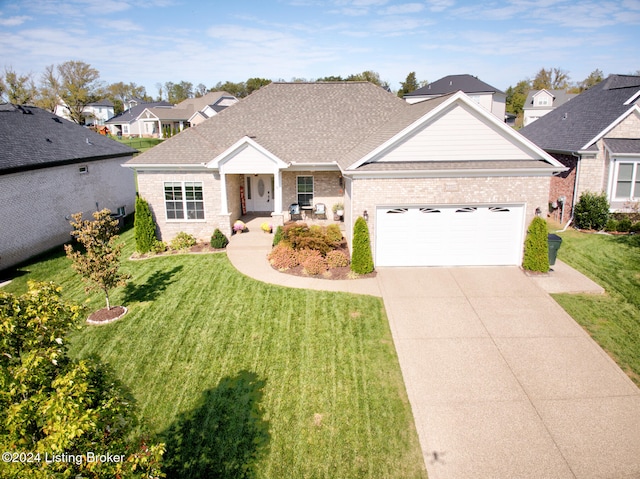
(559, 97)
(571, 126)
(131, 114)
(32, 138)
(623, 145)
(454, 83)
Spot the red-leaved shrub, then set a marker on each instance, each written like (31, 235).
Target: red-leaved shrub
(283, 257)
(312, 262)
(337, 259)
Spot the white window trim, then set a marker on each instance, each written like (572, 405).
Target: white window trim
(313, 188)
(634, 173)
(184, 203)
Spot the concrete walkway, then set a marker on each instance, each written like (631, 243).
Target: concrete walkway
(502, 382)
(248, 253)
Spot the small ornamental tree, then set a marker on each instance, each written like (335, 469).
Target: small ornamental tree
(53, 404)
(361, 258)
(100, 261)
(144, 226)
(592, 211)
(536, 247)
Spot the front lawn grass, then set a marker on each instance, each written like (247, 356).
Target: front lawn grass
(246, 379)
(613, 319)
(140, 144)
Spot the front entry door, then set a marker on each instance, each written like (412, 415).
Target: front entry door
(259, 192)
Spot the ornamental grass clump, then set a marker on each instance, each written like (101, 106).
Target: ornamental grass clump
(361, 258)
(536, 247)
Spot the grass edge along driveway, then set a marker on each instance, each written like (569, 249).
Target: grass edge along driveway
(612, 319)
(246, 379)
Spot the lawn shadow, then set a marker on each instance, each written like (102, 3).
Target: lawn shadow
(151, 288)
(224, 436)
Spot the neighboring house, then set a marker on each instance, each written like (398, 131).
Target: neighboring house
(96, 113)
(541, 102)
(596, 135)
(482, 93)
(51, 168)
(152, 120)
(442, 182)
(130, 123)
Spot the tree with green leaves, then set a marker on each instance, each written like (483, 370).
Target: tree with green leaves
(255, 83)
(409, 85)
(119, 93)
(78, 86)
(99, 263)
(551, 79)
(177, 92)
(53, 405)
(17, 89)
(144, 227)
(595, 77)
(361, 257)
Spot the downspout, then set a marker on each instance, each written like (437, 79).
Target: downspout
(575, 185)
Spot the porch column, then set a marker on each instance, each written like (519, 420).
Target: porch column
(160, 132)
(277, 194)
(224, 207)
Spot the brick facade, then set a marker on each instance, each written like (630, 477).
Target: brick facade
(367, 194)
(37, 205)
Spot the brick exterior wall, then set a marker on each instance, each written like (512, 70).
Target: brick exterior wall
(151, 187)
(563, 185)
(366, 194)
(37, 205)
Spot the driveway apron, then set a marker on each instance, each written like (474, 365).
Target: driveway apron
(503, 383)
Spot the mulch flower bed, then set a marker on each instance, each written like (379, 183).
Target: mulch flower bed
(198, 248)
(106, 316)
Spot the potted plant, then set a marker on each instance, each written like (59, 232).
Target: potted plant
(338, 210)
(266, 227)
(239, 227)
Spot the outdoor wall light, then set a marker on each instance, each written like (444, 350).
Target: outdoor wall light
(538, 211)
(365, 215)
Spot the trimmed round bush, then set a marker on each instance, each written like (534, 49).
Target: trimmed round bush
(635, 227)
(612, 225)
(361, 257)
(337, 259)
(624, 225)
(219, 240)
(283, 257)
(536, 247)
(592, 211)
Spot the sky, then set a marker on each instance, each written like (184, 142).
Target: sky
(148, 42)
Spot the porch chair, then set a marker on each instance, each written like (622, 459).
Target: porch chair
(320, 210)
(294, 212)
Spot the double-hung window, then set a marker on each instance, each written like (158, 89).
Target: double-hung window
(627, 184)
(183, 200)
(305, 190)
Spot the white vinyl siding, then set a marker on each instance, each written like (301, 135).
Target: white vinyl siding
(456, 136)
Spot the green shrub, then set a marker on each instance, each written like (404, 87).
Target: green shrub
(219, 240)
(144, 227)
(159, 247)
(624, 225)
(333, 234)
(312, 262)
(612, 225)
(182, 241)
(635, 227)
(300, 236)
(361, 258)
(277, 237)
(337, 259)
(591, 211)
(283, 257)
(536, 247)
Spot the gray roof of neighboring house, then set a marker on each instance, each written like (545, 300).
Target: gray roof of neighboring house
(571, 126)
(560, 97)
(131, 114)
(32, 138)
(103, 102)
(454, 83)
(196, 104)
(623, 146)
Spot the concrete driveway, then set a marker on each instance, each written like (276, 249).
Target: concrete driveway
(503, 383)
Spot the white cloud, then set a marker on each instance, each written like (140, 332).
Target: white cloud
(13, 21)
(403, 9)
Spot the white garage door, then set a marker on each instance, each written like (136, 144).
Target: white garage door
(449, 235)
